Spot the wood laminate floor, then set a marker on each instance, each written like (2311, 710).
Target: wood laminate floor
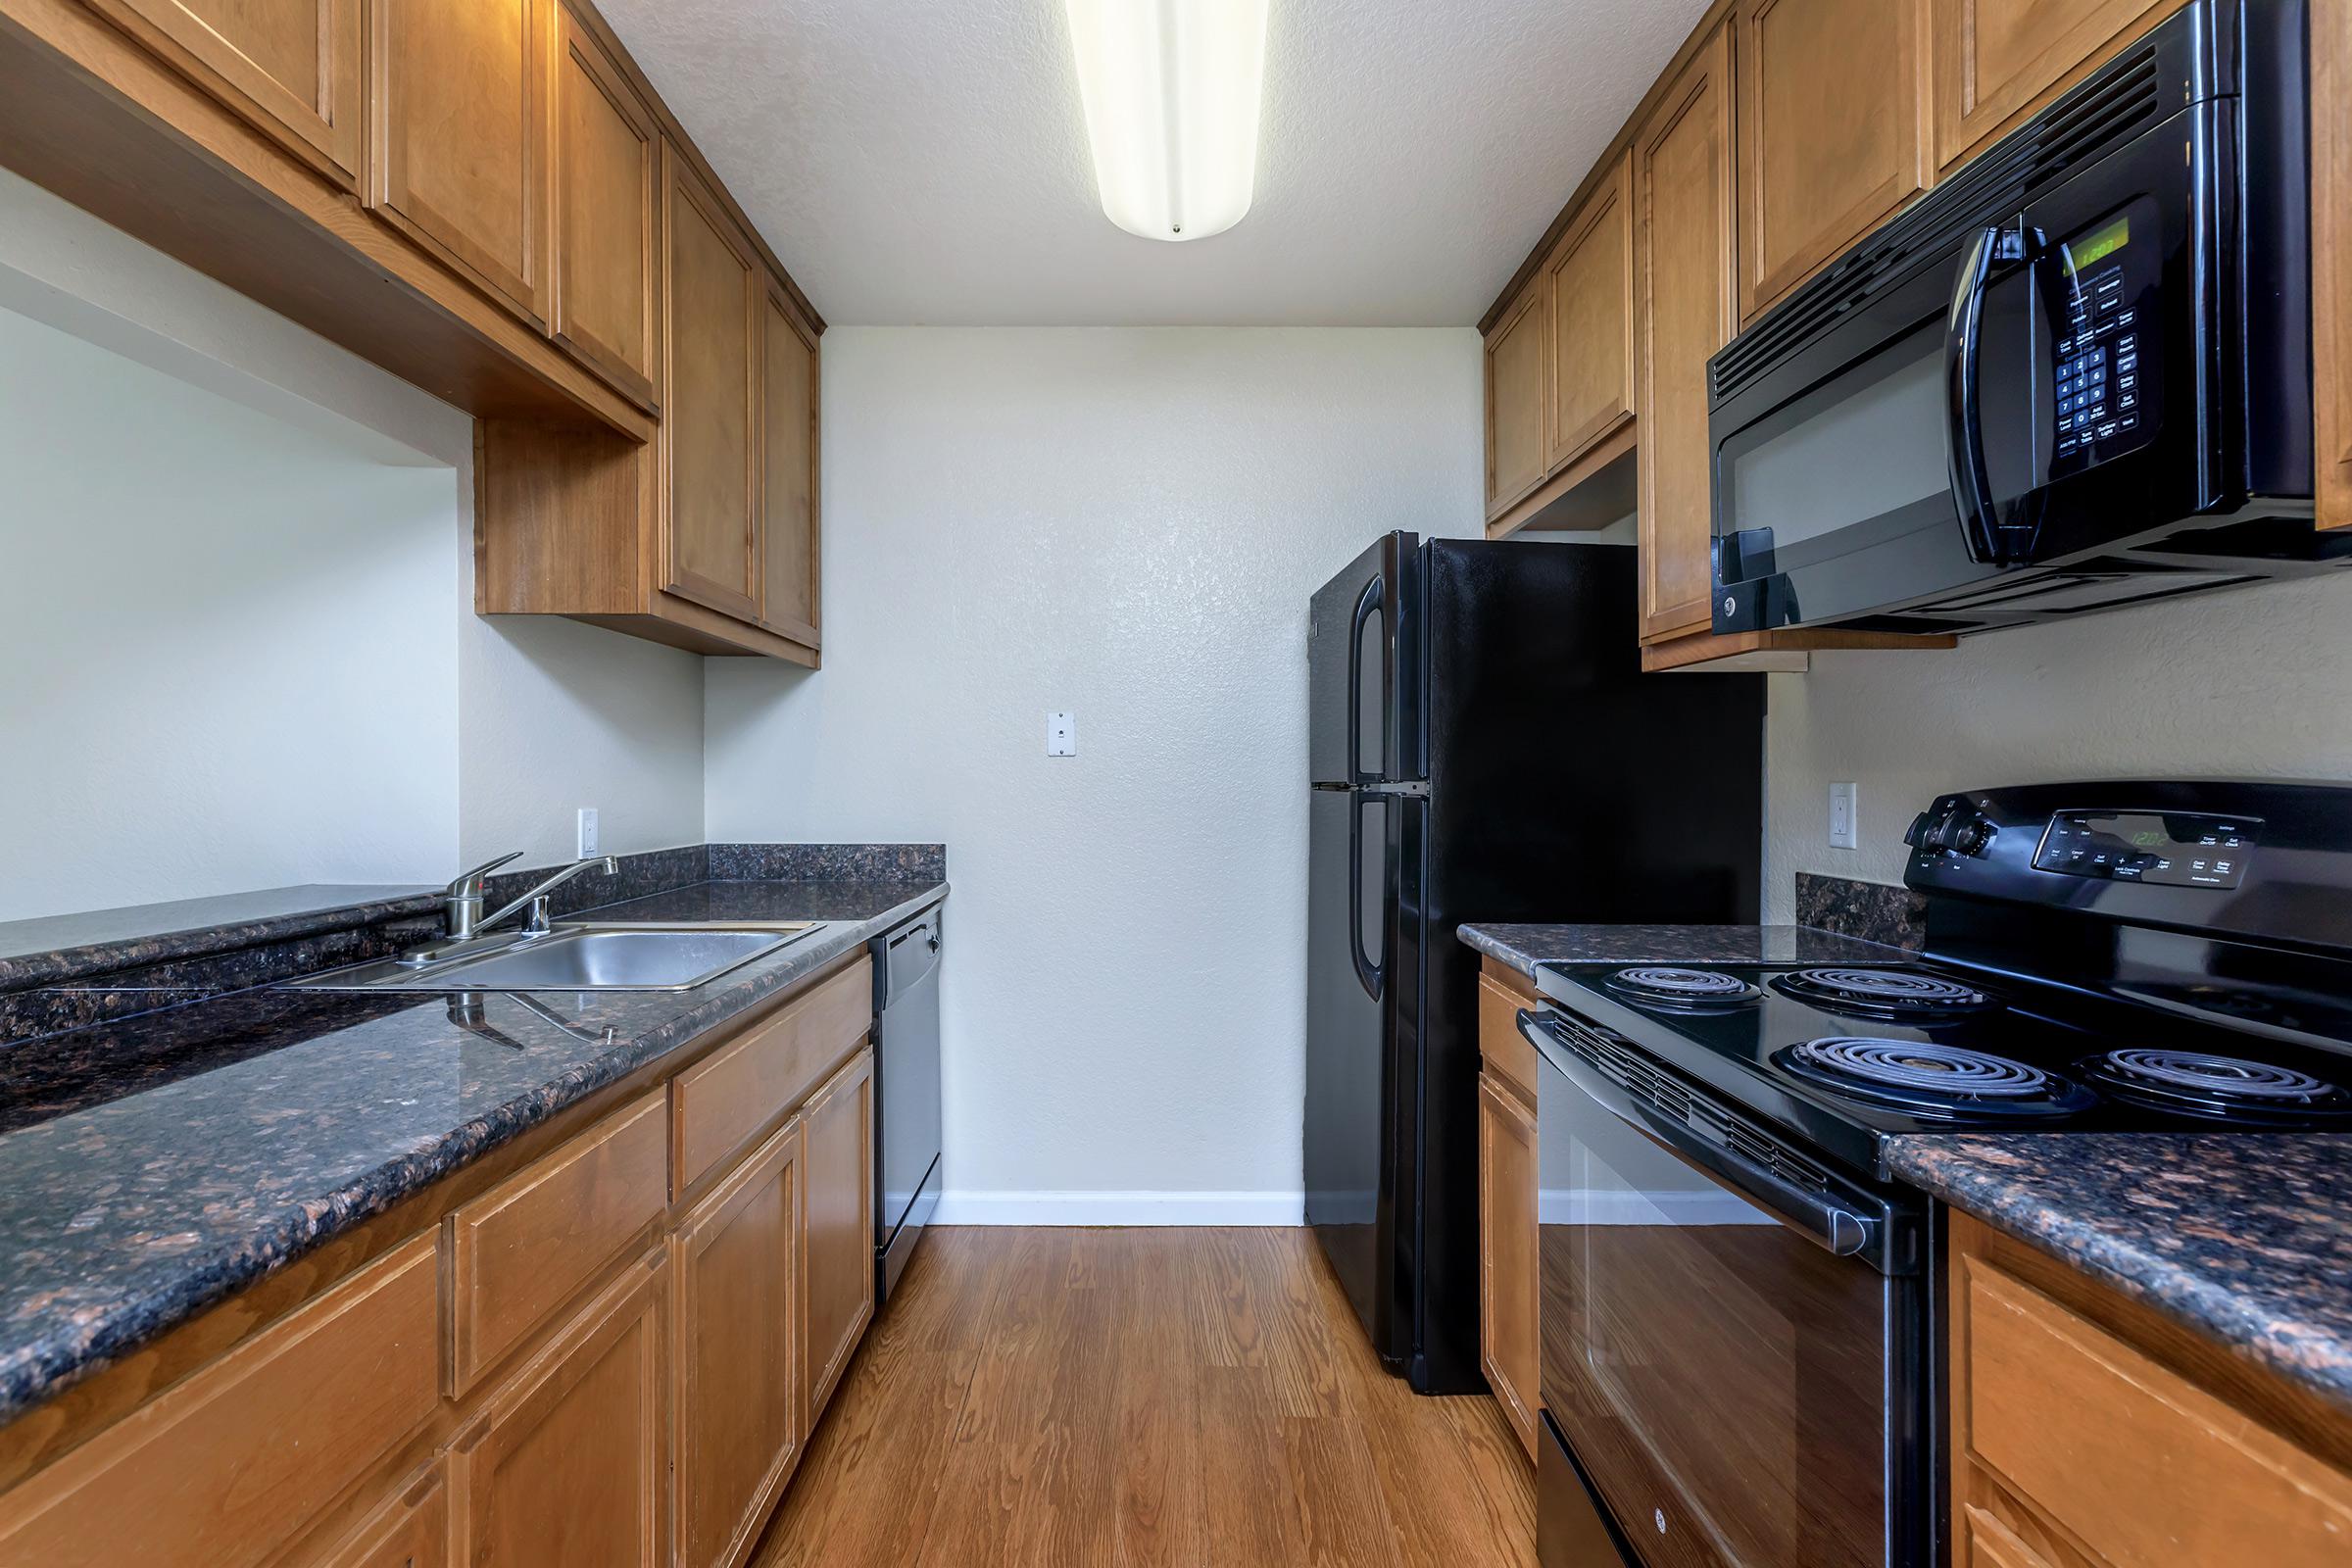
(1100, 1398)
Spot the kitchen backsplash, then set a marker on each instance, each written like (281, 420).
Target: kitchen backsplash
(1872, 911)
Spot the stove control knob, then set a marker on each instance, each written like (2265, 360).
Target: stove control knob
(1972, 835)
(1916, 835)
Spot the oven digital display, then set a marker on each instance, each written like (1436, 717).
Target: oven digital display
(2176, 849)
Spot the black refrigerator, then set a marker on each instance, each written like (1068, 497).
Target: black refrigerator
(1482, 747)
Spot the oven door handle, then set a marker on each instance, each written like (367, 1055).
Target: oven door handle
(1835, 1227)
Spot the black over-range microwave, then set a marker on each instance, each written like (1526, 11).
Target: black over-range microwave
(2075, 376)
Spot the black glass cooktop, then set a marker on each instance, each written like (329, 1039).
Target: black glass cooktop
(1847, 1054)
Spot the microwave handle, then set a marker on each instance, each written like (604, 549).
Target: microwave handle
(1963, 365)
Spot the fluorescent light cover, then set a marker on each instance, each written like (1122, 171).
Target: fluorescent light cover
(1171, 90)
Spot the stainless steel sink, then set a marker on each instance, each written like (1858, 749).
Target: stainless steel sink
(577, 957)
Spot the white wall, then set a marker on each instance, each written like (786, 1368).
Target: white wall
(237, 623)
(1125, 523)
(2252, 683)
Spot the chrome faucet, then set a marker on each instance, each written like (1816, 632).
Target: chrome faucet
(462, 899)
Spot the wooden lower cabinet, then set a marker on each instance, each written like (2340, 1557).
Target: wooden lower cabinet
(411, 1530)
(736, 1264)
(838, 1133)
(2089, 1432)
(1507, 1341)
(570, 1464)
(1506, 1250)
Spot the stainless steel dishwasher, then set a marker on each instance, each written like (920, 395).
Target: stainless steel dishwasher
(907, 1092)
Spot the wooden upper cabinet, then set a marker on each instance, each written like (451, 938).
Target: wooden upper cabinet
(1683, 271)
(737, 1261)
(1996, 61)
(1518, 360)
(1592, 274)
(787, 534)
(1831, 96)
(605, 152)
(458, 154)
(838, 1132)
(290, 67)
(710, 479)
(568, 1467)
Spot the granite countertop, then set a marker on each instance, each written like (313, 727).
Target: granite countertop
(2247, 1237)
(1523, 946)
(153, 1166)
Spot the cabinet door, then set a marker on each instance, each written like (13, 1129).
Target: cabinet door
(411, 1530)
(1996, 61)
(1684, 259)
(710, 474)
(1831, 95)
(1518, 352)
(787, 534)
(569, 1465)
(838, 1127)
(1592, 323)
(459, 159)
(606, 152)
(290, 67)
(1506, 1252)
(737, 1263)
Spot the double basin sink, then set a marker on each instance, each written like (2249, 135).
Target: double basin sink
(583, 957)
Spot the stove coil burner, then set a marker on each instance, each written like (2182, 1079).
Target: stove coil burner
(1936, 1082)
(2226, 1088)
(1884, 993)
(1674, 986)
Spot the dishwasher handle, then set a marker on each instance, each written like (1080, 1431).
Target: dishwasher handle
(908, 955)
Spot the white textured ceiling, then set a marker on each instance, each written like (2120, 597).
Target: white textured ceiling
(925, 161)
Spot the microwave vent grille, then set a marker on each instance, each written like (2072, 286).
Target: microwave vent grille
(2123, 100)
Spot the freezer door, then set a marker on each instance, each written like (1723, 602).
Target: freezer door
(1350, 1042)
(1362, 683)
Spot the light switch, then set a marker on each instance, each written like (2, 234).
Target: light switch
(588, 835)
(1062, 735)
(1845, 804)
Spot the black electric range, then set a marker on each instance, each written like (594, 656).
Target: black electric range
(1722, 1250)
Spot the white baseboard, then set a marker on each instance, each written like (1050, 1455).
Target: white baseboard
(1120, 1209)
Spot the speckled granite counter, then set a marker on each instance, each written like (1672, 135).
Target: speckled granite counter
(153, 1166)
(1523, 946)
(2246, 1237)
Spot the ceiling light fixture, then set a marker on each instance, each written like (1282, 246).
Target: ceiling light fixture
(1171, 90)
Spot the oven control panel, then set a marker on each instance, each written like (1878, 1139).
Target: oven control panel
(2172, 848)
(2102, 378)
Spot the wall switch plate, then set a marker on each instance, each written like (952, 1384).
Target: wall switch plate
(1845, 810)
(1062, 735)
(587, 846)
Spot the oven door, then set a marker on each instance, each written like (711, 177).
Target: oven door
(1732, 1337)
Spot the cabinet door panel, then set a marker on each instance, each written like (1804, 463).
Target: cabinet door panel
(571, 1465)
(1517, 356)
(411, 1530)
(737, 1261)
(1996, 60)
(607, 179)
(1825, 154)
(292, 67)
(838, 1132)
(1507, 1253)
(1684, 266)
(788, 536)
(1593, 320)
(709, 478)
(458, 156)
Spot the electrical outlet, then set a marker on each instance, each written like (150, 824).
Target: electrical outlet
(1845, 811)
(587, 845)
(1062, 735)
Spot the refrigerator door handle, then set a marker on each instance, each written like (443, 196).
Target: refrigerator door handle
(1372, 975)
(1373, 598)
